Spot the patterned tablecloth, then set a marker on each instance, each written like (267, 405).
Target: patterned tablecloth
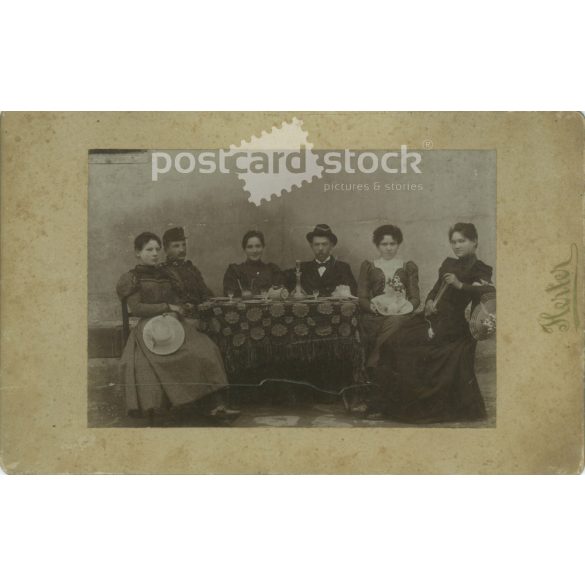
(257, 332)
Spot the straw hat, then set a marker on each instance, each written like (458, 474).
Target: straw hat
(482, 322)
(163, 335)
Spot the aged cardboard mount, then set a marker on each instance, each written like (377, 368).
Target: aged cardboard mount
(56, 285)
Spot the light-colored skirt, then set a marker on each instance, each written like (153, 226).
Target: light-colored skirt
(153, 381)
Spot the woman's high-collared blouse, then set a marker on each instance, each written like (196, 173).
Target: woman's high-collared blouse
(372, 282)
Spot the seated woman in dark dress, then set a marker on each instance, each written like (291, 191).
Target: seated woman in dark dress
(153, 382)
(373, 281)
(426, 370)
(253, 276)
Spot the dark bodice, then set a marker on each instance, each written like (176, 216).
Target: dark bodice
(476, 276)
(148, 290)
(372, 282)
(253, 276)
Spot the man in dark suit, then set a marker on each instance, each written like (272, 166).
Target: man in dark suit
(325, 272)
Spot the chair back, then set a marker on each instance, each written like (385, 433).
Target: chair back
(125, 322)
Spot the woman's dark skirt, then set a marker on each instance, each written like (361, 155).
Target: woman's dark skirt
(424, 380)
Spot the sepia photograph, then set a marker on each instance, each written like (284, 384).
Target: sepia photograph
(268, 287)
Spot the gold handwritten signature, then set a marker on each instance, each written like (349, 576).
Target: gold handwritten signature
(563, 295)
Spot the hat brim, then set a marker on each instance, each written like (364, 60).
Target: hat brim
(331, 237)
(486, 306)
(170, 240)
(166, 348)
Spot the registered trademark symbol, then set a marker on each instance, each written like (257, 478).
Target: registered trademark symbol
(427, 144)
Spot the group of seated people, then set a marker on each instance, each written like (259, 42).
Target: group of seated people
(439, 385)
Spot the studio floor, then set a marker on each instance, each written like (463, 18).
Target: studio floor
(106, 404)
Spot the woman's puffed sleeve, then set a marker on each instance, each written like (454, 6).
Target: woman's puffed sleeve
(412, 287)
(230, 281)
(127, 285)
(363, 287)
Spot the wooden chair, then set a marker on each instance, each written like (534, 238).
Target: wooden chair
(125, 323)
